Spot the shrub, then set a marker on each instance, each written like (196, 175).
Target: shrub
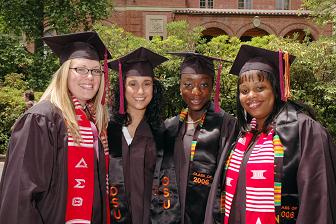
(11, 107)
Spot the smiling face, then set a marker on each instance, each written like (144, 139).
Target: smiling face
(138, 92)
(256, 96)
(83, 87)
(196, 91)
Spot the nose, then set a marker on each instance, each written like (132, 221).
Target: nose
(251, 95)
(196, 91)
(140, 90)
(89, 75)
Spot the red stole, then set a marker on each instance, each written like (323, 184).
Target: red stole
(80, 171)
(260, 207)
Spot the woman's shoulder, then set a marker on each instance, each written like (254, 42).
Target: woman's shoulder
(45, 109)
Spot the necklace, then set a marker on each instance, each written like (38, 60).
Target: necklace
(194, 122)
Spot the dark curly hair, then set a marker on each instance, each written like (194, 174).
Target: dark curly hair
(154, 110)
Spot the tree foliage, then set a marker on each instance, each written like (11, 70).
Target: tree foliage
(13, 56)
(323, 10)
(31, 17)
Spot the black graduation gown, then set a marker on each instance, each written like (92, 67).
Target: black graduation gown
(33, 188)
(217, 134)
(131, 171)
(308, 178)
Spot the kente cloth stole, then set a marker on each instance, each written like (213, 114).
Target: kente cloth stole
(202, 165)
(183, 115)
(263, 188)
(81, 170)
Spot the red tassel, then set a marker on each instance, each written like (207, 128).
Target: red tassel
(121, 91)
(106, 79)
(281, 79)
(217, 92)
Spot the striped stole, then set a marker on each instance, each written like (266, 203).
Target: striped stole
(263, 190)
(80, 171)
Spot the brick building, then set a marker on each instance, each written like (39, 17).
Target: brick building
(242, 18)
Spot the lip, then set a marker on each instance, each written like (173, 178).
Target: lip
(86, 86)
(139, 99)
(196, 101)
(254, 104)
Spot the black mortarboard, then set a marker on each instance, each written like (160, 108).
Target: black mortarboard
(195, 63)
(77, 45)
(140, 62)
(255, 58)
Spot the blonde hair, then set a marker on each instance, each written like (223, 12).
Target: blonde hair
(58, 94)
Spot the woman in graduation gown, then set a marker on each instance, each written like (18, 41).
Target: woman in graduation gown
(194, 141)
(282, 167)
(132, 135)
(55, 170)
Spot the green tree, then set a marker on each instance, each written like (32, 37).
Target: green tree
(31, 17)
(323, 10)
(13, 56)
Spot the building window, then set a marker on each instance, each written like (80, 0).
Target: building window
(282, 4)
(206, 4)
(244, 4)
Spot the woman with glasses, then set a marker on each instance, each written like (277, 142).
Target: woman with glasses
(55, 170)
(132, 135)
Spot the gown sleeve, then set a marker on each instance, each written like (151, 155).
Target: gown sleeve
(229, 133)
(316, 175)
(28, 168)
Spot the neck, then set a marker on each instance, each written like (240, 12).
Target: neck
(136, 116)
(260, 124)
(195, 115)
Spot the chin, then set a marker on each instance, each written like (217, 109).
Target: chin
(196, 108)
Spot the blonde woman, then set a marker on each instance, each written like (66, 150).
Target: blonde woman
(55, 170)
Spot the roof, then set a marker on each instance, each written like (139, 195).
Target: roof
(196, 11)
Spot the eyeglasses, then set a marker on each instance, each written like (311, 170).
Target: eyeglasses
(85, 71)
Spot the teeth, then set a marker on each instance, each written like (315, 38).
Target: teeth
(195, 101)
(254, 104)
(139, 98)
(87, 86)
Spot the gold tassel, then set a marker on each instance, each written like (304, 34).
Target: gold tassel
(287, 76)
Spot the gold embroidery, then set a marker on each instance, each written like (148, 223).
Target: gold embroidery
(166, 194)
(115, 202)
(201, 178)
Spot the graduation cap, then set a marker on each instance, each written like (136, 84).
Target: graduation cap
(140, 62)
(86, 45)
(77, 45)
(195, 63)
(276, 63)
